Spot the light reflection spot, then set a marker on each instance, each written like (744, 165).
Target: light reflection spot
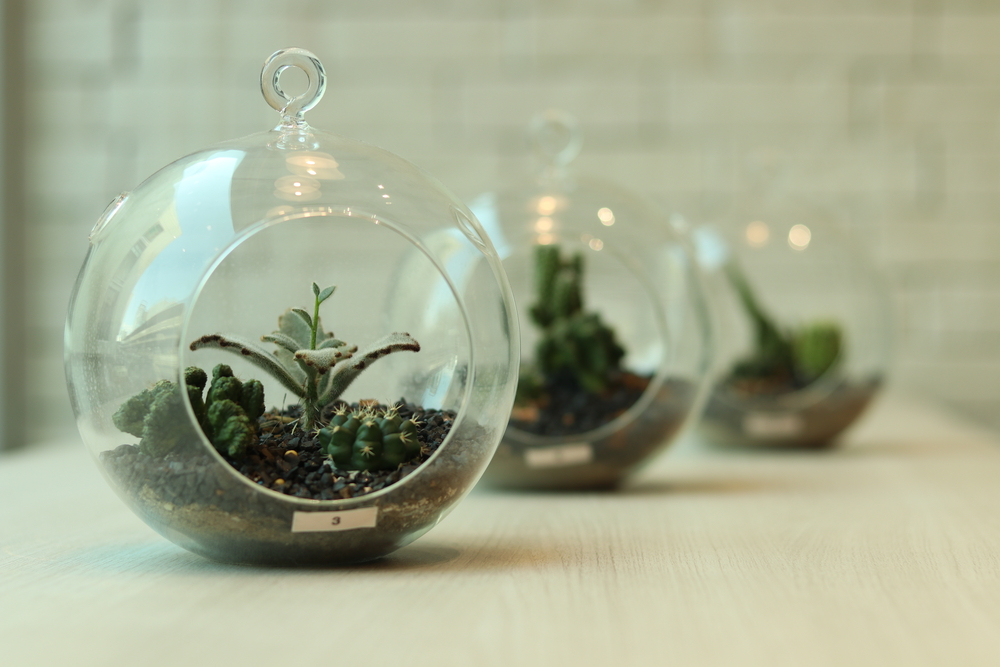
(543, 224)
(546, 205)
(596, 244)
(758, 233)
(606, 216)
(799, 237)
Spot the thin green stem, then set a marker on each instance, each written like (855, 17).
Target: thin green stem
(315, 324)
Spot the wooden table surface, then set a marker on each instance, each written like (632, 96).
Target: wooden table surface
(884, 552)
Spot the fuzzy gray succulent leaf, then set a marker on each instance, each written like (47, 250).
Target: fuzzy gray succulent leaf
(255, 354)
(287, 360)
(282, 341)
(326, 382)
(333, 342)
(324, 294)
(292, 324)
(305, 316)
(345, 373)
(323, 360)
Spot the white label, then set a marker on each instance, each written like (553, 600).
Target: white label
(558, 456)
(773, 424)
(316, 522)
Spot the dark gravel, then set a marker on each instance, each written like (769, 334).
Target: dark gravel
(565, 408)
(285, 459)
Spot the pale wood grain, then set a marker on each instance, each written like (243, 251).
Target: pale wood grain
(883, 552)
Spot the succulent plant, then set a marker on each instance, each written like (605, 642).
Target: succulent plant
(797, 356)
(816, 348)
(156, 415)
(228, 416)
(231, 412)
(309, 362)
(369, 440)
(572, 341)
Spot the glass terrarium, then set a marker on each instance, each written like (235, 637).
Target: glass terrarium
(204, 369)
(804, 322)
(613, 321)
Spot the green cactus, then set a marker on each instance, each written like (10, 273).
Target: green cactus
(798, 356)
(195, 377)
(816, 347)
(232, 409)
(131, 415)
(156, 415)
(231, 429)
(228, 416)
(309, 362)
(369, 440)
(572, 341)
(163, 428)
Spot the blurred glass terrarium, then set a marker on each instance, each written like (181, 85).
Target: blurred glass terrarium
(804, 322)
(613, 322)
(204, 371)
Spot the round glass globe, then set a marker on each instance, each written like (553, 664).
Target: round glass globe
(608, 381)
(804, 322)
(206, 257)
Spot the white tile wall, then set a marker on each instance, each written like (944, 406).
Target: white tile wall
(887, 110)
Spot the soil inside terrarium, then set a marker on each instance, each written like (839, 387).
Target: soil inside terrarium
(752, 413)
(562, 407)
(524, 461)
(287, 459)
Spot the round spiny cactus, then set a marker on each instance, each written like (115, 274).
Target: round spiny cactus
(366, 439)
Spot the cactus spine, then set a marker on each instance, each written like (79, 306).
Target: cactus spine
(572, 341)
(369, 440)
(309, 362)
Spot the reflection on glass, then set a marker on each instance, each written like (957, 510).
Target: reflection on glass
(606, 216)
(799, 237)
(314, 164)
(758, 234)
(546, 205)
(297, 188)
(543, 224)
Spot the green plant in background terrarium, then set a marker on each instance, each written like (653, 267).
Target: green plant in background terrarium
(576, 381)
(316, 367)
(782, 359)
